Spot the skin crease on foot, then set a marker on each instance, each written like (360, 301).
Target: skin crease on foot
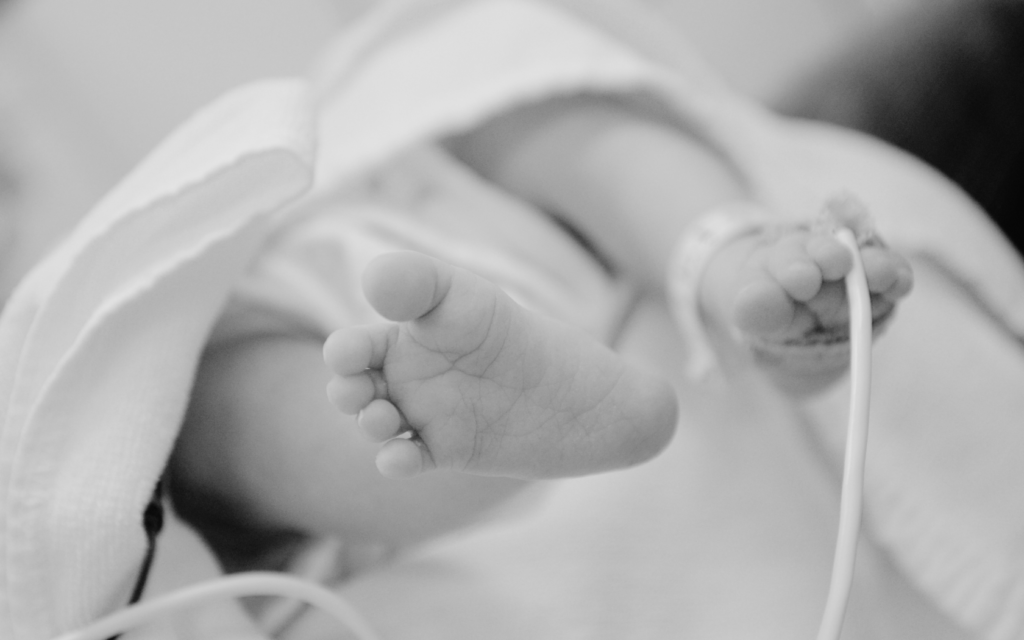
(464, 378)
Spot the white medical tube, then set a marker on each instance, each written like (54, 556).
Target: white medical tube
(851, 502)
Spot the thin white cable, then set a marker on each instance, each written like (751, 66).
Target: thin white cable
(255, 583)
(851, 501)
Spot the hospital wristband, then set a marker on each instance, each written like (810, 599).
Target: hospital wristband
(687, 264)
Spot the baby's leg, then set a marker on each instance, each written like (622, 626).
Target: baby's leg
(782, 293)
(466, 379)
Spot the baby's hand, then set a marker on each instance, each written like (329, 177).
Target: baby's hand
(788, 299)
(791, 284)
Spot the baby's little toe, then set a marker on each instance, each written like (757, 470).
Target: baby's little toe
(380, 420)
(403, 458)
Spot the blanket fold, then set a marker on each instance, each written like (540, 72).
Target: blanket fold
(99, 343)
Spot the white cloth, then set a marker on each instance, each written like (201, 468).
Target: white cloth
(100, 341)
(307, 278)
(98, 344)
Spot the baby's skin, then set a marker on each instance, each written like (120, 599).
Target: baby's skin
(792, 282)
(781, 292)
(464, 378)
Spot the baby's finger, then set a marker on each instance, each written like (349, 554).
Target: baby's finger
(846, 210)
(904, 281)
(833, 259)
(793, 269)
(830, 305)
(762, 307)
(881, 307)
(881, 267)
(804, 321)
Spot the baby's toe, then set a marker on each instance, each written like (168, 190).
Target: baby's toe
(380, 420)
(403, 458)
(762, 307)
(352, 350)
(404, 285)
(350, 394)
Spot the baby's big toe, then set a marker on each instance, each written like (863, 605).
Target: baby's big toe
(403, 285)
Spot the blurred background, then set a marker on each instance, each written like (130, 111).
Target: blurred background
(140, 66)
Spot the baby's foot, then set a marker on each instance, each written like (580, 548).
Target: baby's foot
(466, 379)
(787, 300)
